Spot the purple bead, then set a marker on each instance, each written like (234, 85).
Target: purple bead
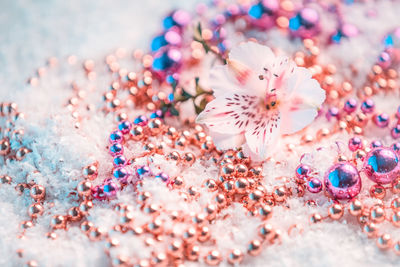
(343, 181)
(163, 176)
(395, 132)
(314, 185)
(381, 120)
(116, 137)
(368, 106)
(355, 143)
(333, 112)
(376, 143)
(141, 120)
(396, 147)
(143, 171)
(350, 105)
(116, 149)
(302, 171)
(110, 188)
(382, 165)
(119, 161)
(125, 127)
(308, 17)
(121, 174)
(385, 59)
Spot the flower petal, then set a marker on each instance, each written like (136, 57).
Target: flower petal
(262, 133)
(227, 141)
(295, 121)
(222, 81)
(253, 55)
(230, 113)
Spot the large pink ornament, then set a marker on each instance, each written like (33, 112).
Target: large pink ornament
(382, 165)
(343, 181)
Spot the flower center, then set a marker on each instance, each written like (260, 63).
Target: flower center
(271, 101)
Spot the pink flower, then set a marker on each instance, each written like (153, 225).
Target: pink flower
(258, 98)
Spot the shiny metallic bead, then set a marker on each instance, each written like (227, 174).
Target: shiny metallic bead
(38, 192)
(336, 211)
(35, 210)
(384, 241)
(213, 258)
(58, 222)
(235, 256)
(355, 207)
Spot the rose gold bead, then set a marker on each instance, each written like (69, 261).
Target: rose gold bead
(396, 186)
(241, 170)
(21, 153)
(31, 263)
(396, 218)
(85, 206)
(175, 248)
(211, 184)
(58, 222)
(396, 248)
(4, 147)
(266, 231)
(370, 229)
(35, 210)
(177, 182)
(5, 179)
(121, 117)
(74, 214)
(86, 226)
(384, 241)
(255, 197)
(155, 227)
(241, 185)
(174, 155)
(96, 233)
(221, 200)
(142, 197)
(213, 258)
(228, 187)
(204, 234)
(152, 209)
(316, 218)
(265, 212)
(181, 142)
(336, 211)
(26, 224)
(377, 191)
(254, 247)
(227, 170)
(20, 188)
(142, 263)
(172, 133)
(90, 172)
(377, 214)
(190, 235)
(322, 133)
(211, 211)
(120, 261)
(279, 193)
(395, 205)
(38, 192)
(192, 252)
(137, 133)
(363, 218)
(159, 259)
(155, 126)
(51, 235)
(235, 256)
(189, 158)
(84, 188)
(127, 218)
(355, 207)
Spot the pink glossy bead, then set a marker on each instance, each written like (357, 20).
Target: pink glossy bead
(382, 165)
(116, 137)
(368, 106)
(125, 127)
(396, 147)
(343, 181)
(116, 149)
(395, 132)
(314, 185)
(302, 171)
(355, 143)
(376, 143)
(350, 105)
(110, 188)
(381, 120)
(120, 161)
(333, 112)
(98, 193)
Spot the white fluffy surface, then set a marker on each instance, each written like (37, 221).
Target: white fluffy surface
(31, 31)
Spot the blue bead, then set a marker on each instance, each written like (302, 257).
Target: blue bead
(162, 63)
(388, 41)
(116, 148)
(337, 37)
(294, 23)
(342, 178)
(168, 22)
(256, 11)
(383, 160)
(158, 42)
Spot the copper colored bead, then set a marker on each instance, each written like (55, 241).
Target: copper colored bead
(316, 218)
(190, 235)
(384, 241)
(395, 205)
(221, 200)
(35, 210)
(227, 170)
(211, 211)
(255, 197)
(279, 193)
(396, 248)
(26, 224)
(370, 229)
(377, 214)
(241, 170)
(228, 187)
(142, 263)
(84, 188)
(31, 263)
(112, 242)
(189, 158)
(58, 222)
(4, 147)
(172, 133)
(396, 186)
(38, 192)
(377, 191)
(142, 197)
(336, 211)
(211, 184)
(120, 261)
(175, 248)
(74, 214)
(174, 155)
(254, 247)
(85, 206)
(90, 172)
(235, 256)
(178, 182)
(155, 126)
(265, 212)
(396, 218)
(127, 218)
(51, 235)
(192, 252)
(355, 207)
(96, 234)
(213, 258)
(21, 153)
(137, 133)
(155, 227)
(5, 179)
(159, 259)
(266, 232)
(204, 234)
(241, 185)
(86, 226)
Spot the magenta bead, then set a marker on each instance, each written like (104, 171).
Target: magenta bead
(110, 188)
(381, 120)
(116, 137)
(333, 112)
(120, 161)
(376, 143)
(396, 147)
(355, 143)
(314, 185)
(125, 127)
(343, 181)
(395, 132)
(121, 174)
(302, 171)
(350, 105)
(116, 149)
(367, 106)
(382, 165)
(98, 193)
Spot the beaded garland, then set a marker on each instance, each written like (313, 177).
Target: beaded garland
(156, 87)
